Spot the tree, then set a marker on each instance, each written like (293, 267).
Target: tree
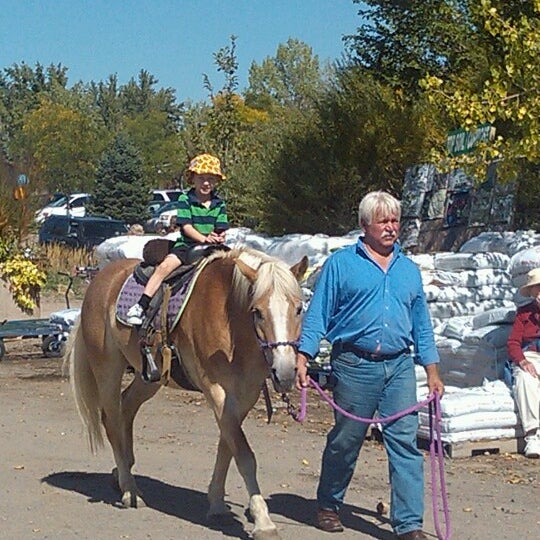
(507, 96)
(399, 42)
(465, 63)
(361, 137)
(152, 119)
(120, 189)
(59, 144)
(20, 89)
(223, 121)
(161, 149)
(293, 78)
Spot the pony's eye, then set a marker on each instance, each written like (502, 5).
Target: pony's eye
(299, 310)
(257, 314)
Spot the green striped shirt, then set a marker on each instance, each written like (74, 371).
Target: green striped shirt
(203, 219)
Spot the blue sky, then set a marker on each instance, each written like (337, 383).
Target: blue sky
(172, 39)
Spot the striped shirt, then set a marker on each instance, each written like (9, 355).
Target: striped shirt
(204, 219)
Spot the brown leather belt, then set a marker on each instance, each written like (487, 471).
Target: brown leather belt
(349, 347)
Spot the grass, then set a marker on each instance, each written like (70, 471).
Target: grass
(57, 260)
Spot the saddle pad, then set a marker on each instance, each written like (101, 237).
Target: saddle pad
(131, 292)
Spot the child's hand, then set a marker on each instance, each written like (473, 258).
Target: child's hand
(216, 237)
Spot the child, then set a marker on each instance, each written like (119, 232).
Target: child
(202, 218)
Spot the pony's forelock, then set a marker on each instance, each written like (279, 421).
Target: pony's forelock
(272, 273)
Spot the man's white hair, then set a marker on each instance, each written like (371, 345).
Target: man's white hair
(377, 204)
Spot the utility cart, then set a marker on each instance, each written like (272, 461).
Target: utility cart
(53, 335)
(52, 331)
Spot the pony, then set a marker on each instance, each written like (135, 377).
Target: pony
(239, 327)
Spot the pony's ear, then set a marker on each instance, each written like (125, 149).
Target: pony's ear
(247, 271)
(299, 269)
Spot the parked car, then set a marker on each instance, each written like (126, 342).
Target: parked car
(78, 232)
(154, 206)
(74, 205)
(162, 217)
(166, 195)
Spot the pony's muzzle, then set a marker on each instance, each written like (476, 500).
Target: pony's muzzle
(283, 372)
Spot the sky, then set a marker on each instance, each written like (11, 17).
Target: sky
(174, 40)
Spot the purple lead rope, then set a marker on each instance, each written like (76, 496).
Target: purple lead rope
(435, 445)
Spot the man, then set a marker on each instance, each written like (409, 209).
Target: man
(369, 303)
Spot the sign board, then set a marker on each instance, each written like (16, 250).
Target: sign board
(19, 193)
(461, 141)
(22, 180)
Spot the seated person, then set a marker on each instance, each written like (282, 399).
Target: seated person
(202, 218)
(524, 352)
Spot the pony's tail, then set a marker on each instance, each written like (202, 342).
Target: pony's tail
(84, 388)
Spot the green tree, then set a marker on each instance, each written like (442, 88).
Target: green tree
(106, 98)
(120, 189)
(20, 89)
(506, 96)
(223, 120)
(161, 148)
(59, 145)
(399, 42)
(152, 119)
(293, 78)
(362, 136)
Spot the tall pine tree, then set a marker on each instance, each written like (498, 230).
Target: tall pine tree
(121, 191)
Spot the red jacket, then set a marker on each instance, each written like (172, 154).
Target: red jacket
(525, 333)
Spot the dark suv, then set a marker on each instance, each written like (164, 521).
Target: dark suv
(78, 232)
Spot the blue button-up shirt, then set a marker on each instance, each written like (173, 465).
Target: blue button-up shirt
(355, 301)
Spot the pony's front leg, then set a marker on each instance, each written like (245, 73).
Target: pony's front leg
(244, 457)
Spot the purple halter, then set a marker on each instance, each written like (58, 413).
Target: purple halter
(273, 344)
(266, 345)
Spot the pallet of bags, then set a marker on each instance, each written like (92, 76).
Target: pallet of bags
(473, 348)
(477, 419)
(520, 264)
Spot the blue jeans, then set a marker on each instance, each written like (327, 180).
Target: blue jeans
(363, 387)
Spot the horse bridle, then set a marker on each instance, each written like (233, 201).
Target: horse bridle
(274, 344)
(268, 345)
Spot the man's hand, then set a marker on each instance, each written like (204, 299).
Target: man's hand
(302, 377)
(434, 381)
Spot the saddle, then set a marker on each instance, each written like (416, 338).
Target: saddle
(154, 252)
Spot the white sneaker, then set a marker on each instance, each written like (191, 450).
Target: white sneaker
(135, 315)
(532, 448)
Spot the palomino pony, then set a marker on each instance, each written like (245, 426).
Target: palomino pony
(240, 325)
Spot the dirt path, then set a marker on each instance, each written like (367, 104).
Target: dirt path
(53, 488)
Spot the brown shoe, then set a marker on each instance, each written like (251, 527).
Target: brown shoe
(413, 535)
(328, 521)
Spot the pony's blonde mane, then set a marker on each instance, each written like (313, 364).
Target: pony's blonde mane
(272, 273)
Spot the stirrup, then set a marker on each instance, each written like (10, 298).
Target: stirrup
(150, 372)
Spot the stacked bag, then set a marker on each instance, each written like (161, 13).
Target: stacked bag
(472, 323)
(471, 414)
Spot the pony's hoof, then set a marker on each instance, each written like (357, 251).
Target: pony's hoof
(268, 534)
(132, 500)
(220, 514)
